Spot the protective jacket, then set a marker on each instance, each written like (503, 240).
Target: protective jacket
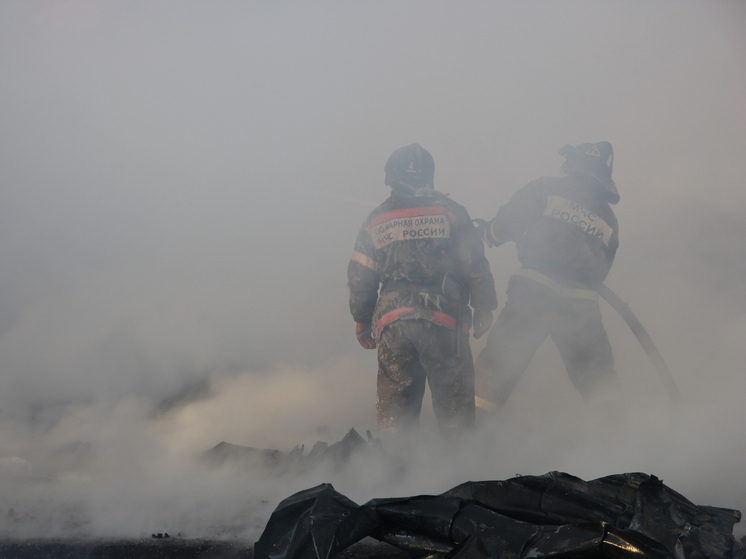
(424, 254)
(563, 227)
(566, 235)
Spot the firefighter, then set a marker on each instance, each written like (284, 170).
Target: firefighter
(421, 250)
(566, 235)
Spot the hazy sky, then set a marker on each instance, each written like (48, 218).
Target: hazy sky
(181, 184)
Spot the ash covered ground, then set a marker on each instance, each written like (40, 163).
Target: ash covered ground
(48, 512)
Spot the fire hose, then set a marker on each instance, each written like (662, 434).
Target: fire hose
(643, 337)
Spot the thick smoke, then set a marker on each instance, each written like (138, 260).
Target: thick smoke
(182, 184)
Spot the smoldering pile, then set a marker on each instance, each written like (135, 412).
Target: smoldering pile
(296, 461)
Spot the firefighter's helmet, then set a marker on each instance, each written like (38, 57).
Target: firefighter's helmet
(596, 160)
(410, 165)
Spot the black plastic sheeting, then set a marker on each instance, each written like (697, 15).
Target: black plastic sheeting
(554, 516)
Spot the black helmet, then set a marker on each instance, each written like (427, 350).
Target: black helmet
(410, 166)
(596, 160)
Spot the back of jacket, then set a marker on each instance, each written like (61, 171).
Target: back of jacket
(563, 227)
(410, 241)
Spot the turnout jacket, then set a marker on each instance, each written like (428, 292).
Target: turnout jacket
(407, 246)
(563, 227)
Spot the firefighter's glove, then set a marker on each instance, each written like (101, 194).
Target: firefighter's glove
(364, 334)
(482, 322)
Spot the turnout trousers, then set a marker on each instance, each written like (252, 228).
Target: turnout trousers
(411, 353)
(537, 307)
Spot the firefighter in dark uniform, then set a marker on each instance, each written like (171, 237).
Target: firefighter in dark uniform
(421, 249)
(566, 236)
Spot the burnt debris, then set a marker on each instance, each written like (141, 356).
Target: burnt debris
(296, 461)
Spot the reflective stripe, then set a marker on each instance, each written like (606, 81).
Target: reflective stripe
(411, 212)
(366, 261)
(483, 404)
(576, 293)
(409, 313)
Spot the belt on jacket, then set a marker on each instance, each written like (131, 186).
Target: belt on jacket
(410, 313)
(574, 292)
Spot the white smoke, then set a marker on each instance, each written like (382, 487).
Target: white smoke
(181, 189)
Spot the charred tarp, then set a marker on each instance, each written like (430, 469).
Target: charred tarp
(554, 516)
